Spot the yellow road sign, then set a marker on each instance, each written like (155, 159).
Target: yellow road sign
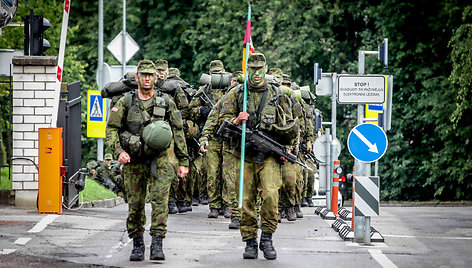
(96, 114)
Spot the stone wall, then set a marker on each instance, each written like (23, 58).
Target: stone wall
(34, 79)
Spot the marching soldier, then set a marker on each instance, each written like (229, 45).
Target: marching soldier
(145, 132)
(268, 110)
(201, 105)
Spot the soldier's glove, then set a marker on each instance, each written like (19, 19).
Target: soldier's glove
(309, 146)
(204, 111)
(192, 131)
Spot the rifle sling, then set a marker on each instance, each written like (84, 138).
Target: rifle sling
(261, 106)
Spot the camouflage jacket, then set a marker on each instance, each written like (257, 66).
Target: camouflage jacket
(270, 114)
(120, 113)
(213, 94)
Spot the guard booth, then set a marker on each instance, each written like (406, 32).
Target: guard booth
(69, 119)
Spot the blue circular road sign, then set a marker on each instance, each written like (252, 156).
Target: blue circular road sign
(367, 142)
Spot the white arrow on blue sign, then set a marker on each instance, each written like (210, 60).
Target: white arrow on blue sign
(367, 142)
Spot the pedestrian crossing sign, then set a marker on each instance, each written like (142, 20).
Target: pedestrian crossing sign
(96, 114)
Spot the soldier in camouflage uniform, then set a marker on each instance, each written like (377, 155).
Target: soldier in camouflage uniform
(267, 106)
(173, 86)
(109, 175)
(230, 158)
(307, 142)
(142, 165)
(213, 157)
(287, 192)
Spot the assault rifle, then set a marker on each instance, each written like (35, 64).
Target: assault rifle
(259, 142)
(204, 97)
(310, 156)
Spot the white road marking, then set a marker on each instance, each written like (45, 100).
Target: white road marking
(6, 251)
(381, 258)
(22, 240)
(42, 224)
(430, 237)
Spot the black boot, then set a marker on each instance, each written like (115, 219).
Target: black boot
(195, 202)
(304, 202)
(156, 249)
(188, 205)
(266, 246)
(234, 224)
(181, 207)
(310, 201)
(227, 213)
(290, 214)
(137, 254)
(173, 207)
(298, 211)
(250, 252)
(213, 213)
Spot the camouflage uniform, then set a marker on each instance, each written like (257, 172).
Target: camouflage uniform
(147, 166)
(259, 179)
(179, 91)
(307, 140)
(230, 158)
(212, 159)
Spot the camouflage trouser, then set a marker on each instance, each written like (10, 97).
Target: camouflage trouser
(212, 162)
(300, 185)
(264, 180)
(137, 176)
(231, 165)
(198, 178)
(288, 191)
(309, 180)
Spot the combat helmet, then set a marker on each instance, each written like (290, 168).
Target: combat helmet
(157, 135)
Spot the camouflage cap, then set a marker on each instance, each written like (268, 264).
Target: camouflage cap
(161, 64)
(108, 157)
(174, 71)
(216, 66)
(146, 66)
(256, 60)
(275, 71)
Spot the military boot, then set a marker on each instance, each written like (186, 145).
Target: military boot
(173, 207)
(204, 200)
(290, 214)
(137, 254)
(234, 224)
(304, 202)
(265, 245)
(310, 201)
(227, 213)
(156, 249)
(250, 252)
(213, 213)
(188, 205)
(298, 212)
(195, 202)
(282, 215)
(181, 207)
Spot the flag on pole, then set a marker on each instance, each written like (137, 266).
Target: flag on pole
(247, 39)
(247, 49)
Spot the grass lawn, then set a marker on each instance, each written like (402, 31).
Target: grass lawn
(95, 191)
(5, 182)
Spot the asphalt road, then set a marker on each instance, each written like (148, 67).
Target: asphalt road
(94, 237)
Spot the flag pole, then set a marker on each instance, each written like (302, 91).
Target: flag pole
(243, 133)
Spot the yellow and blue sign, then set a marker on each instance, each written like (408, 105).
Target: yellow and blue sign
(373, 110)
(96, 114)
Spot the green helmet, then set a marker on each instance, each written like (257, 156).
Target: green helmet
(157, 135)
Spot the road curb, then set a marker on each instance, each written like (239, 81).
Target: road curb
(107, 203)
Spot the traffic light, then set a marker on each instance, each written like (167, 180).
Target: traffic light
(35, 44)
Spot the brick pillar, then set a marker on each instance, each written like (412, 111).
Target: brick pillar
(33, 95)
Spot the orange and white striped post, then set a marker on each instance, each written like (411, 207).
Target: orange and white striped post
(335, 190)
(353, 191)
